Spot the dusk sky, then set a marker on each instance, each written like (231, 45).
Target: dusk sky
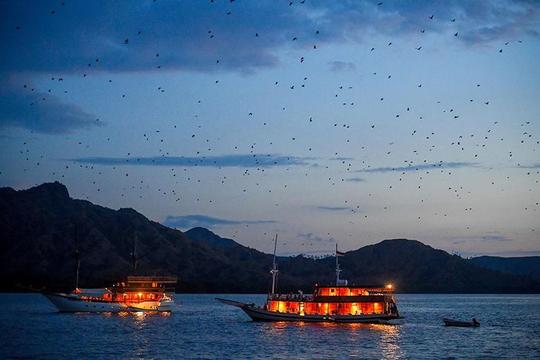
(321, 121)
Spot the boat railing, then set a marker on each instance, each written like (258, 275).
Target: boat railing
(290, 297)
(134, 279)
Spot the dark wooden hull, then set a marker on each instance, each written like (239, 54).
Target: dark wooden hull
(259, 314)
(457, 323)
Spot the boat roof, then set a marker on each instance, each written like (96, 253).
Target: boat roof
(134, 279)
(350, 286)
(147, 283)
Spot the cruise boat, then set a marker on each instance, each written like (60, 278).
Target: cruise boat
(137, 293)
(340, 303)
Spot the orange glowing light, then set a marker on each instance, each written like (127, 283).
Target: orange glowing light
(389, 286)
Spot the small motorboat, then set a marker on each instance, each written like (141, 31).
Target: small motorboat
(451, 322)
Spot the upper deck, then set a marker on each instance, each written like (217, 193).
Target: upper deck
(147, 283)
(352, 290)
(344, 293)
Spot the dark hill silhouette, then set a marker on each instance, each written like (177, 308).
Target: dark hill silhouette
(418, 267)
(41, 228)
(206, 236)
(525, 265)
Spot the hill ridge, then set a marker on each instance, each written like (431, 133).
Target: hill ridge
(42, 226)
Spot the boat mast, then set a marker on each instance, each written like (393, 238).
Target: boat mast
(274, 270)
(338, 270)
(77, 259)
(134, 255)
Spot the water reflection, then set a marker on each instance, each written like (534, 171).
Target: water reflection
(139, 315)
(389, 342)
(357, 339)
(281, 325)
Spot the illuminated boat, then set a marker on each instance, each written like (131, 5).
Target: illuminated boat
(138, 293)
(340, 303)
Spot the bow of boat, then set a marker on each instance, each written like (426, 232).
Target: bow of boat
(233, 303)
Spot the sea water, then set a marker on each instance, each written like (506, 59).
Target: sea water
(201, 327)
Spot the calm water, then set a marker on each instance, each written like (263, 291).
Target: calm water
(204, 328)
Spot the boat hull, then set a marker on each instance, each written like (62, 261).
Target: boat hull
(457, 323)
(259, 314)
(71, 303)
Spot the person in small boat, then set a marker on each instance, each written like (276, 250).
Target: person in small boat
(475, 323)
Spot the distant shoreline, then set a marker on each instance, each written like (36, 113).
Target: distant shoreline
(3, 292)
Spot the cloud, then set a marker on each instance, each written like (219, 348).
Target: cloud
(500, 21)
(314, 238)
(179, 35)
(339, 66)
(532, 166)
(192, 35)
(252, 160)
(191, 221)
(495, 238)
(419, 167)
(356, 179)
(489, 237)
(512, 253)
(43, 113)
(333, 208)
(50, 37)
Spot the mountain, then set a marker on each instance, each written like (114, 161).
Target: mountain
(207, 237)
(417, 267)
(525, 266)
(43, 226)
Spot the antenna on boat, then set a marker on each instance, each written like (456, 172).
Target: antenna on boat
(338, 269)
(77, 259)
(274, 270)
(134, 254)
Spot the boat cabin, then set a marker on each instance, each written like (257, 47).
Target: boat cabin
(336, 300)
(134, 290)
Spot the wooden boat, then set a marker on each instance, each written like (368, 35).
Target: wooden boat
(458, 323)
(135, 294)
(138, 293)
(362, 305)
(340, 303)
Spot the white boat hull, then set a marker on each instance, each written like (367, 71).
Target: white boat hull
(72, 303)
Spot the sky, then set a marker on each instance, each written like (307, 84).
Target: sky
(324, 122)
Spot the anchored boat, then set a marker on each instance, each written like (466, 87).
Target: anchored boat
(459, 323)
(137, 293)
(334, 303)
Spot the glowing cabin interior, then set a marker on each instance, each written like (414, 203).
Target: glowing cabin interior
(338, 300)
(325, 308)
